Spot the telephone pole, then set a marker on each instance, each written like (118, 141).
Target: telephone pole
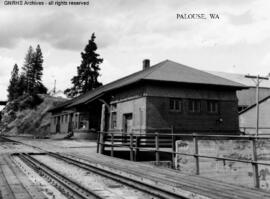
(54, 87)
(257, 79)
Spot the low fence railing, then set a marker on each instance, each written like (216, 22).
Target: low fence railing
(157, 142)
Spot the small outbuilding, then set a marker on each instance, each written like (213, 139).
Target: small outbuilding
(157, 97)
(248, 118)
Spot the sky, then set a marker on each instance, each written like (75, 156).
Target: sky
(128, 31)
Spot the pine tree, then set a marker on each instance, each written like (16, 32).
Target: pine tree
(87, 72)
(22, 85)
(37, 73)
(33, 71)
(13, 88)
(28, 70)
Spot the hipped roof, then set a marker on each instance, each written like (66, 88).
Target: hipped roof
(165, 71)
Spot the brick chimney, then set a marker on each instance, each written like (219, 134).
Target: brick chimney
(146, 64)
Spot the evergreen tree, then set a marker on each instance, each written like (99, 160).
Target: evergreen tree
(28, 71)
(38, 71)
(88, 72)
(13, 88)
(22, 86)
(33, 71)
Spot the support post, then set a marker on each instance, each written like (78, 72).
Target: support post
(157, 147)
(112, 143)
(196, 153)
(256, 179)
(173, 146)
(131, 146)
(257, 106)
(102, 128)
(102, 142)
(137, 147)
(98, 142)
(102, 120)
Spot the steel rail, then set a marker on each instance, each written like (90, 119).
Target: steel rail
(67, 186)
(4, 139)
(152, 190)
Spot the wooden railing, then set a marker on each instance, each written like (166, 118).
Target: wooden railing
(155, 142)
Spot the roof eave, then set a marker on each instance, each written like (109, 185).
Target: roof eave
(237, 87)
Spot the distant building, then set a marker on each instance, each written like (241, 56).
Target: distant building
(158, 97)
(246, 97)
(248, 118)
(58, 93)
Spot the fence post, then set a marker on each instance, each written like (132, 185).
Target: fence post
(157, 147)
(112, 143)
(256, 179)
(131, 146)
(196, 153)
(173, 146)
(136, 148)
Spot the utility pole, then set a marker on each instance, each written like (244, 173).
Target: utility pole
(54, 87)
(257, 79)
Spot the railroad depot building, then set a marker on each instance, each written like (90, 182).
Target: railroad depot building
(158, 97)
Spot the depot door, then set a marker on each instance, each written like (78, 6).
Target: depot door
(70, 123)
(58, 124)
(127, 123)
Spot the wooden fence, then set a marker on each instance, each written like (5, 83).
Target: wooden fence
(155, 142)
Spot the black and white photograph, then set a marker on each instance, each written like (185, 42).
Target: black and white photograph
(128, 99)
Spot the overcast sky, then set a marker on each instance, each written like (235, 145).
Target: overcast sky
(129, 31)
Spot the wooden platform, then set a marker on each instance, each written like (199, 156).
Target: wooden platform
(190, 186)
(14, 184)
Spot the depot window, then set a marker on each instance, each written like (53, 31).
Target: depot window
(194, 106)
(212, 106)
(176, 104)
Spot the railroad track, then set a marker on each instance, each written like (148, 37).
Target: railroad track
(143, 187)
(68, 186)
(156, 191)
(4, 139)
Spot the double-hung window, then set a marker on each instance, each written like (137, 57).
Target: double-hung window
(212, 106)
(194, 106)
(176, 104)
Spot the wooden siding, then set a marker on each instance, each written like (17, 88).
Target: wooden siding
(188, 91)
(160, 116)
(127, 93)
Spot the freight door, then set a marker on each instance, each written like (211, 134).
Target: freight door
(127, 125)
